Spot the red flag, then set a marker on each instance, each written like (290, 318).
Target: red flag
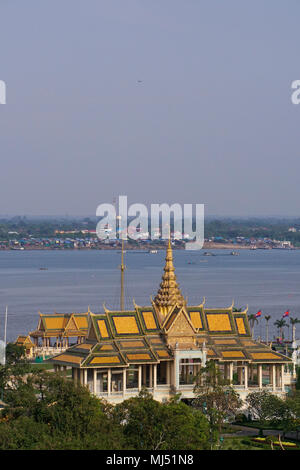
(286, 314)
(258, 314)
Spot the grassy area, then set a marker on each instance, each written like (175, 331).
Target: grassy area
(257, 425)
(228, 429)
(40, 366)
(239, 443)
(247, 443)
(46, 366)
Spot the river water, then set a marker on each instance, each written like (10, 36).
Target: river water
(267, 280)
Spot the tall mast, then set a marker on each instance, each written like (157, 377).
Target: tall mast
(5, 326)
(5, 329)
(122, 268)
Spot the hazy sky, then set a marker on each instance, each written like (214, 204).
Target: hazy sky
(210, 122)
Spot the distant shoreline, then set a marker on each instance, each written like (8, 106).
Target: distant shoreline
(206, 246)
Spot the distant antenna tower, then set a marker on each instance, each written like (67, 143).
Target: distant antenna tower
(122, 265)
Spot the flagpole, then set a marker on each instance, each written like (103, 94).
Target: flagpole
(5, 326)
(5, 336)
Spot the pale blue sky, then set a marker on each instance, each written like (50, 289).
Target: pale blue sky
(211, 122)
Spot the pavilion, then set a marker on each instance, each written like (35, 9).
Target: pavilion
(55, 333)
(163, 346)
(28, 345)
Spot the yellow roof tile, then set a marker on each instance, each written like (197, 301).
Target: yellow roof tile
(125, 325)
(69, 358)
(149, 320)
(218, 322)
(196, 319)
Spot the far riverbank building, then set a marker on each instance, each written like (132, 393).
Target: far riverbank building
(163, 346)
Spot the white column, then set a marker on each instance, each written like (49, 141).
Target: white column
(273, 377)
(231, 372)
(150, 375)
(154, 376)
(246, 376)
(176, 369)
(140, 378)
(109, 382)
(168, 372)
(282, 374)
(259, 373)
(124, 382)
(277, 375)
(95, 381)
(85, 377)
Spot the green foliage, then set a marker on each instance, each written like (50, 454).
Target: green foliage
(280, 325)
(215, 397)
(56, 414)
(24, 433)
(148, 424)
(47, 411)
(16, 366)
(271, 410)
(297, 385)
(15, 354)
(239, 443)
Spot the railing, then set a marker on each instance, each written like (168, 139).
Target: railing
(48, 351)
(162, 386)
(182, 388)
(133, 391)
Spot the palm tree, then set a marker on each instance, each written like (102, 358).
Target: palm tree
(293, 322)
(252, 319)
(267, 317)
(280, 325)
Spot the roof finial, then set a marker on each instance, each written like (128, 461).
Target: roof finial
(169, 293)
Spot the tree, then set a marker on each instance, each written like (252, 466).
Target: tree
(280, 325)
(252, 320)
(297, 385)
(24, 433)
(267, 317)
(15, 354)
(293, 402)
(215, 396)
(293, 322)
(66, 415)
(149, 424)
(15, 367)
(267, 408)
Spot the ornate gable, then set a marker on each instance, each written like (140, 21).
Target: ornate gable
(71, 325)
(179, 329)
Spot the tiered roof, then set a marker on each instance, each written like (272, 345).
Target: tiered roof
(151, 334)
(62, 325)
(117, 339)
(24, 341)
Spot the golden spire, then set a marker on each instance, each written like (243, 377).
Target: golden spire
(169, 293)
